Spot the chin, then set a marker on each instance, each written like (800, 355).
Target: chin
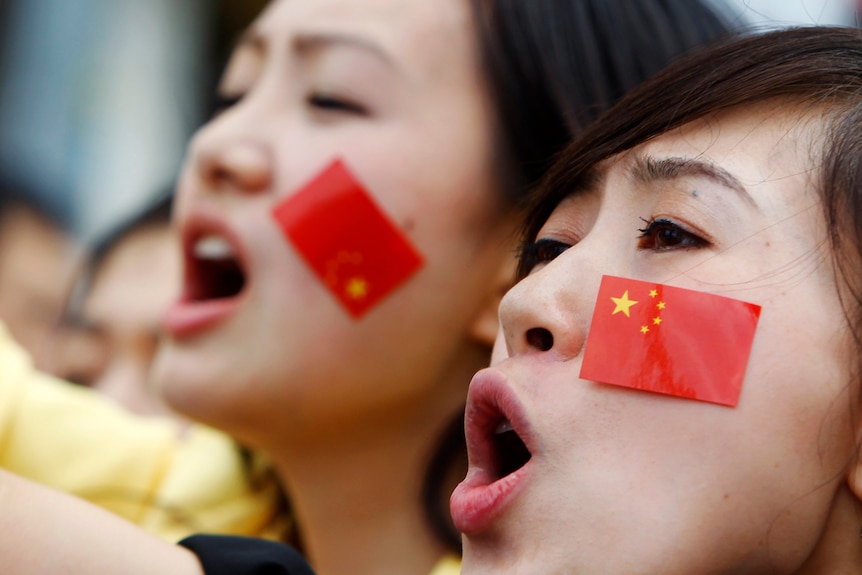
(504, 562)
(188, 386)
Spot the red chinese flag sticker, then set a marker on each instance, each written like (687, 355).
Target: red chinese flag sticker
(669, 340)
(355, 250)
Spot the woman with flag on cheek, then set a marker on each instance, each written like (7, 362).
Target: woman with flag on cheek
(679, 367)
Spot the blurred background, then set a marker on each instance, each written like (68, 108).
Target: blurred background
(97, 101)
(98, 97)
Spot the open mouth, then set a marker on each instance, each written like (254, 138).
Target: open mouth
(213, 270)
(500, 446)
(509, 452)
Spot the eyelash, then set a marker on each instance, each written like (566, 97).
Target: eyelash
(541, 251)
(329, 103)
(221, 103)
(661, 234)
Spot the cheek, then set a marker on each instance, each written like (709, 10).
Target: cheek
(799, 376)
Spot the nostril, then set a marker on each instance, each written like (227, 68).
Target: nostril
(244, 166)
(540, 338)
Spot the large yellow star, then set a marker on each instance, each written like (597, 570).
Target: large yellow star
(357, 288)
(623, 304)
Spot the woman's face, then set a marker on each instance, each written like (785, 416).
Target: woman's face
(109, 339)
(391, 88)
(627, 481)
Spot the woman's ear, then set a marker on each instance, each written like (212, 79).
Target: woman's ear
(854, 468)
(854, 472)
(485, 324)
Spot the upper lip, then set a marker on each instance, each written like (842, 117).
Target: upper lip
(493, 480)
(491, 402)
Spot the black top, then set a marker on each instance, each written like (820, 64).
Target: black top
(232, 555)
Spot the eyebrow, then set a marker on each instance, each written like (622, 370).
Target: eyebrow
(647, 170)
(309, 42)
(304, 43)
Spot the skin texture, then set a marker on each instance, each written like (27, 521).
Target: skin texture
(74, 540)
(115, 331)
(348, 410)
(623, 481)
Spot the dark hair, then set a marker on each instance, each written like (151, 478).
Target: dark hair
(552, 67)
(16, 193)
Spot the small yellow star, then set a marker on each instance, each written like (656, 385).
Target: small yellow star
(653, 293)
(623, 304)
(660, 305)
(656, 320)
(644, 329)
(357, 288)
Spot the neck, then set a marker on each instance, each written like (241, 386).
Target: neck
(355, 476)
(358, 504)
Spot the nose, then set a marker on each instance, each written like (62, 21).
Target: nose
(549, 311)
(226, 157)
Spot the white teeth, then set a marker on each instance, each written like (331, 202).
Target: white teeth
(213, 248)
(503, 427)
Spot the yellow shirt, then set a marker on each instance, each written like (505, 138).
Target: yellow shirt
(449, 565)
(71, 439)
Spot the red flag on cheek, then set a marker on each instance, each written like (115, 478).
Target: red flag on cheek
(669, 340)
(355, 250)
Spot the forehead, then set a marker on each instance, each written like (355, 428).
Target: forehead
(769, 153)
(426, 32)
(758, 143)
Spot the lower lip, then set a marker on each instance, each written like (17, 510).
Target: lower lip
(185, 319)
(477, 502)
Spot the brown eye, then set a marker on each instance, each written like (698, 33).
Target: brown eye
(664, 234)
(539, 252)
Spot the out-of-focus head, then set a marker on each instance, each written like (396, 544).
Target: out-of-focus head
(411, 98)
(394, 90)
(112, 323)
(37, 256)
(553, 67)
(735, 173)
